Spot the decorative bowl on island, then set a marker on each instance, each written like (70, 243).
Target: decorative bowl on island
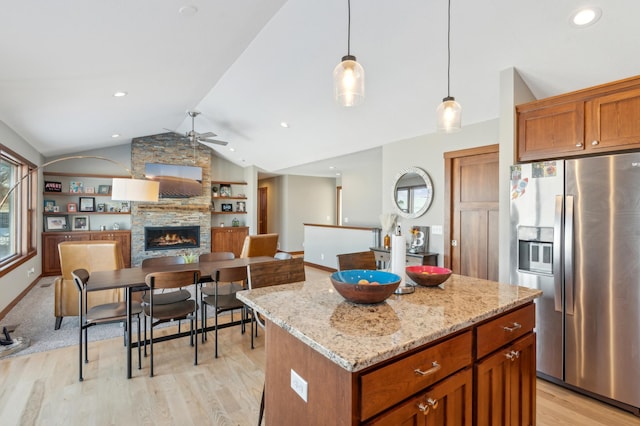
(365, 286)
(427, 275)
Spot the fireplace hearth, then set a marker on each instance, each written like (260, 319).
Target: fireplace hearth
(171, 237)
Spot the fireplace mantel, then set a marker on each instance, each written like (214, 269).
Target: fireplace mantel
(174, 207)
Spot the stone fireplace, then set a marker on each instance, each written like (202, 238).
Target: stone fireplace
(174, 214)
(171, 237)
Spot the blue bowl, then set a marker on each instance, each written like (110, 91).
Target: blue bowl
(365, 286)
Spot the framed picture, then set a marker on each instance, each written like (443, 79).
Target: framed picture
(87, 204)
(124, 207)
(48, 205)
(100, 208)
(227, 207)
(225, 190)
(241, 206)
(80, 223)
(89, 190)
(56, 223)
(72, 207)
(104, 189)
(52, 186)
(75, 186)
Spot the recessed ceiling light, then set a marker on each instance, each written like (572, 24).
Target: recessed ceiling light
(188, 10)
(338, 174)
(120, 94)
(232, 149)
(332, 167)
(586, 16)
(115, 135)
(284, 124)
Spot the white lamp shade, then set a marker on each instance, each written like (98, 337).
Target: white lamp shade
(449, 114)
(135, 189)
(348, 82)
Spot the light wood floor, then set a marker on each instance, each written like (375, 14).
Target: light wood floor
(43, 388)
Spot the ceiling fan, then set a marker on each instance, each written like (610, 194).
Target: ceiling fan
(195, 137)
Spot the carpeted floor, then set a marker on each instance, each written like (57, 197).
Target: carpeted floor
(33, 319)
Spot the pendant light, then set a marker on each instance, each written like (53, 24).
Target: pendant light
(449, 112)
(348, 76)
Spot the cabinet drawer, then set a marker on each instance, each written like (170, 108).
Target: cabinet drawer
(500, 331)
(382, 388)
(446, 403)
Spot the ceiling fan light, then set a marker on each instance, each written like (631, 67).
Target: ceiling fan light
(449, 115)
(348, 82)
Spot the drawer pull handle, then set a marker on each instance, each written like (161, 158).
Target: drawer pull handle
(426, 406)
(434, 367)
(513, 355)
(516, 326)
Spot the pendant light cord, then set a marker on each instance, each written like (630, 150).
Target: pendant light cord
(449, 50)
(349, 29)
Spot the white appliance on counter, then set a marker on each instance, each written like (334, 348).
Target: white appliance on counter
(577, 238)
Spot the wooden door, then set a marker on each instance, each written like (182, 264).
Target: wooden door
(262, 211)
(471, 212)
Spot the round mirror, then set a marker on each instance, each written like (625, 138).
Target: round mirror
(412, 192)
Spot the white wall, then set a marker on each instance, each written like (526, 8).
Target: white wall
(513, 91)
(361, 194)
(16, 281)
(427, 152)
(323, 244)
(306, 200)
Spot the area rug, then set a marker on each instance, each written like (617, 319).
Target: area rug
(32, 319)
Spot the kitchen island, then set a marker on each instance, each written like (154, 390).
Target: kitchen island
(460, 353)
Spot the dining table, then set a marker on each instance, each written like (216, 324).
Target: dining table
(133, 280)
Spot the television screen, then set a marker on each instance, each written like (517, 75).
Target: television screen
(176, 181)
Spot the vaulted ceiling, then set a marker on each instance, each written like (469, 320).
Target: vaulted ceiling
(249, 65)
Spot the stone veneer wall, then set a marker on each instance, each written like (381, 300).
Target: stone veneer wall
(166, 149)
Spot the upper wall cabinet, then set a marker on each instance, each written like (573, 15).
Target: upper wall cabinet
(592, 121)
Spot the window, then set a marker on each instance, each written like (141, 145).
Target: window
(17, 214)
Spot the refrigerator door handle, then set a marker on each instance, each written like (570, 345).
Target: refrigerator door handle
(568, 254)
(557, 253)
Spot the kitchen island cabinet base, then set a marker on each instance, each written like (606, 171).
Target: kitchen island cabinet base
(499, 387)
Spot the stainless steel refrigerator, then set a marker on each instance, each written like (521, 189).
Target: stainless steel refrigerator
(576, 237)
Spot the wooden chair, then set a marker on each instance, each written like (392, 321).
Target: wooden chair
(224, 302)
(358, 260)
(267, 274)
(168, 296)
(184, 309)
(99, 314)
(209, 288)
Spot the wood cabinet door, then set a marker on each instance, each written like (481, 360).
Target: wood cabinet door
(613, 121)
(228, 239)
(551, 131)
(50, 256)
(447, 403)
(506, 385)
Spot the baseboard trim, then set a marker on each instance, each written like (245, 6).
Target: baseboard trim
(15, 301)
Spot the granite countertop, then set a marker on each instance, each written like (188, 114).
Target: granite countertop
(358, 336)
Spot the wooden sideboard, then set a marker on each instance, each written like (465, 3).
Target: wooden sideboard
(228, 238)
(50, 241)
